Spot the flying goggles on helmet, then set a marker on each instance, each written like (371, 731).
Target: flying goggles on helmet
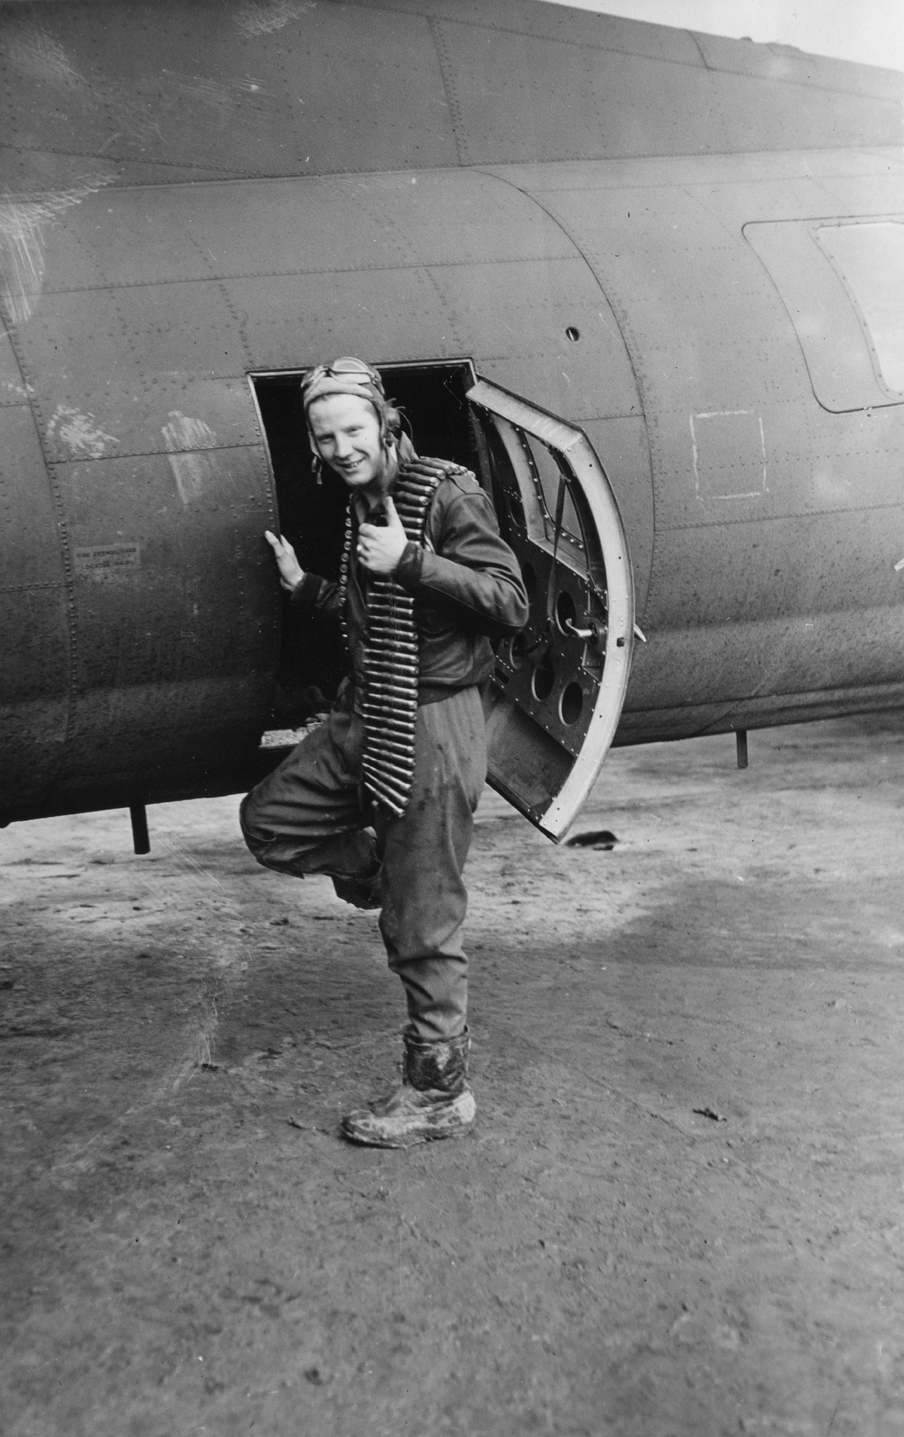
(349, 375)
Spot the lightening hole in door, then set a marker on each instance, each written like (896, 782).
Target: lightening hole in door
(519, 651)
(530, 582)
(544, 678)
(566, 613)
(571, 703)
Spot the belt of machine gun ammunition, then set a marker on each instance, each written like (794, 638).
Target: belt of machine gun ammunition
(391, 666)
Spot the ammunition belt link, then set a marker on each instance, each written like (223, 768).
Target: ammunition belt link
(391, 667)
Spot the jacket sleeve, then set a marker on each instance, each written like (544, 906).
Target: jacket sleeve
(473, 576)
(315, 598)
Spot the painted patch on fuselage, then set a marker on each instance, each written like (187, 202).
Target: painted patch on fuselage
(729, 453)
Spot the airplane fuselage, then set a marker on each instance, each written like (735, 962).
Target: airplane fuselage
(707, 319)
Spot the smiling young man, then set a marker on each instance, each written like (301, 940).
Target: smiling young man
(381, 797)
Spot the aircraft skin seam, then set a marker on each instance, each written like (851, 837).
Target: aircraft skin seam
(129, 159)
(203, 254)
(526, 34)
(32, 588)
(296, 274)
(735, 704)
(493, 168)
(528, 194)
(382, 208)
(893, 506)
(154, 453)
(496, 171)
(705, 184)
(240, 324)
(584, 44)
(402, 264)
(67, 584)
(641, 603)
(633, 415)
(700, 51)
(884, 153)
(487, 167)
(459, 135)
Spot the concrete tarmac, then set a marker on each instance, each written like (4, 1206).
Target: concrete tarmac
(681, 1212)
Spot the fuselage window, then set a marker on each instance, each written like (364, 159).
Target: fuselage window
(842, 283)
(870, 261)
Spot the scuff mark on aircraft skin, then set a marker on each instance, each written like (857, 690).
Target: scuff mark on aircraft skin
(184, 433)
(262, 17)
(32, 51)
(22, 226)
(190, 470)
(17, 389)
(208, 91)
(80, 433)
(135, 110)
(138, 111)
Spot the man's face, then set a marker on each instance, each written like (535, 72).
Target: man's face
(346, 431)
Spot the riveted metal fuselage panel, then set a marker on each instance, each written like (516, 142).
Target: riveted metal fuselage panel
(190, 194)
(777, 522)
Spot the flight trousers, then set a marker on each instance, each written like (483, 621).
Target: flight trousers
(312, 815)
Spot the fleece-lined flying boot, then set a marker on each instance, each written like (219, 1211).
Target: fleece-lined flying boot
(434, 1100)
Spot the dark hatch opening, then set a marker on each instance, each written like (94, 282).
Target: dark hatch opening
(312, 516)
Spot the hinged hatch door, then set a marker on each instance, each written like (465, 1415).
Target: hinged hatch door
(558, 690)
